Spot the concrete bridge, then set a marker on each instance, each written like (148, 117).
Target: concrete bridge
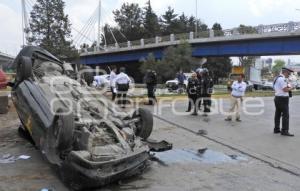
(277, 39)
(5, 59)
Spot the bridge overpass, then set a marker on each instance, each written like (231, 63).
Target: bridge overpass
(5, 59)
(277, 39)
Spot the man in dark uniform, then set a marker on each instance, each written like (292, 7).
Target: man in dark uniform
(207, 90)
(193, 93)
(282, 94)
(151, 82)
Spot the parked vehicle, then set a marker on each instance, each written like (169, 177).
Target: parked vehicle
(89, 139)
(172, 85)
(102, 81)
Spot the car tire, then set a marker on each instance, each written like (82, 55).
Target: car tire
(63, 131)
(145, 125)
(24, 68)
(88, 75)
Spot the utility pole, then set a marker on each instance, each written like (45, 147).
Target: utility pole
(196, 24)
(99, 25)
(24, 23)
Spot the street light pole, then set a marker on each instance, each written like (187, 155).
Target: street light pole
(196, 24)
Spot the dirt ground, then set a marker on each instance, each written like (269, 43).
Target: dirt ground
(180, 169)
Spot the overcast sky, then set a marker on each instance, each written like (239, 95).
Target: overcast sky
(229, 13)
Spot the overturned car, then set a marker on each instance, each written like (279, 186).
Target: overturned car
(89, 139)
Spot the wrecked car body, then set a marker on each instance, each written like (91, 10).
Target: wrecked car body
(85, 135)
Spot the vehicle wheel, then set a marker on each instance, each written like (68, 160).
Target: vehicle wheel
(24, 68)
(63, 130)
(88, 75)
(145, 125)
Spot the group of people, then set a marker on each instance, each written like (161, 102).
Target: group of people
(199, 90)
(283, 93)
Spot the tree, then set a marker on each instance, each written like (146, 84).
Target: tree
(247, 61)
(217, 28)
(50, 28)
(150, 21)
(130, 21)
(168, 21)
(279, 64)
(174, 59)
(242, 29)
(218, 67)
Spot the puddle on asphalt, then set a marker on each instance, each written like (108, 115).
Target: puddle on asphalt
(192, 156)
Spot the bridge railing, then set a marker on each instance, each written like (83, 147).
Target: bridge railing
(261, 29)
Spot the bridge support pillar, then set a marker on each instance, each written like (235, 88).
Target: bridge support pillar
(291, 26)
(128, 44)
(172, 37)
(211, 33)
(260, 29)
(117, 45)
(142, 42)
(191, 35)
(156, 40)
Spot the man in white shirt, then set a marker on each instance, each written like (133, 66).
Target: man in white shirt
(121, 84)
(238, 91)
(282, 93)
(112, 77)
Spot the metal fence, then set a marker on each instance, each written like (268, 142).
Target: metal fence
(261, 29)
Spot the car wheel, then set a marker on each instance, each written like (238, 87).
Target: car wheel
(60, 137)
(24, 69)
(63, 130)
(144, 126)
(87, 75)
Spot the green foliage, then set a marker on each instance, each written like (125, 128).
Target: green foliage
(217, 28)
(243, 29)
(219, 67)
(150, 22)
(279, 64)
(175, 58)
(50, 28)
(130, 19)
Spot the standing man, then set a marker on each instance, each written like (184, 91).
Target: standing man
(192, 90)
(238, 89)
(151, 82)
(121, 83)
(112, 78)
(180, 77)
(282, 94)
(207, 90)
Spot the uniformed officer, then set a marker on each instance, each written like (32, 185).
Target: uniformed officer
(207, 90)
(282, 94)
(121, 84)
(193, 93)
(151, 82)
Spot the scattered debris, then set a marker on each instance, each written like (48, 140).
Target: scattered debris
(159, 146)
(202, 151)
(8, 158)
(202, 132)
(204, 155)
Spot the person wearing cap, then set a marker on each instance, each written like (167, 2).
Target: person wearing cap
(282, 94)
(193, 93)
(151, 82)
(199, 72)
(207, 90)
(238, 89)
(121, 84)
